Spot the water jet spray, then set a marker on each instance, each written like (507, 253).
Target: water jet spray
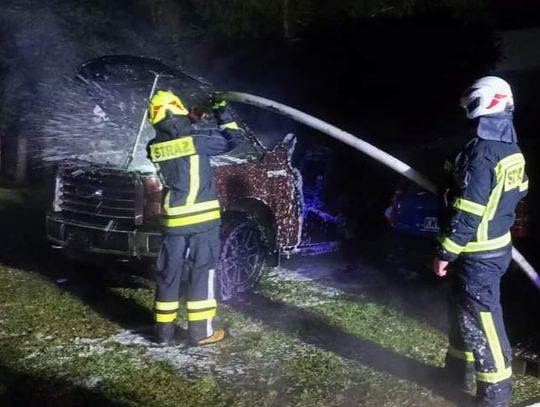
(129, 158)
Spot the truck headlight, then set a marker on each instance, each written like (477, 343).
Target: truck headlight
(152, 196)
(57, 203)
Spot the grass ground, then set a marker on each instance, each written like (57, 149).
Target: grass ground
(306, 337)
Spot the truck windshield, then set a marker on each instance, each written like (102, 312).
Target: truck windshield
(120, 87)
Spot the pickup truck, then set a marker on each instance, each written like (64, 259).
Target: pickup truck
(107, 194)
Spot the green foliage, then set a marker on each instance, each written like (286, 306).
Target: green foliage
(265, 19)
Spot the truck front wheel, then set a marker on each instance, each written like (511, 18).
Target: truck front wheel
(241, 261)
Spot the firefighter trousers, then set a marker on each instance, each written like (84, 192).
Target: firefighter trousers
(477, 335)
(195, 254)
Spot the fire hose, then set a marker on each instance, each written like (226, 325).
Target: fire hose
(364, 147)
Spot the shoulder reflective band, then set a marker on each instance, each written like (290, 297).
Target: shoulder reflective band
(510, 161)
(168, 150)
(524, 186)
(230, 125)
(514, 176)
(469, 206)
(472, 247)
(512, 168)
(501, 170)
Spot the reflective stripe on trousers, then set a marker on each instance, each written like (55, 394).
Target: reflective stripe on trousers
(476, 325)
(200, 262)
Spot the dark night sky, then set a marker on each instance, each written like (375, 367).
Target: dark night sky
(516, 13)
(390, 60)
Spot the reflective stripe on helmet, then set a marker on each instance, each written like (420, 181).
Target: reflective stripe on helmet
(164, 101)
(488, 95)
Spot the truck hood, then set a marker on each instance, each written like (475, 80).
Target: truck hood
(103, 109)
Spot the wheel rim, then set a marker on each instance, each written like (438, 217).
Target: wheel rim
(241, 255)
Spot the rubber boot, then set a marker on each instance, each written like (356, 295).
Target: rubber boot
(165, 333)
(217, 336)
(494, 394)
(460, 374)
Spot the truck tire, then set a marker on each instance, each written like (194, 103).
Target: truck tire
(241, 262)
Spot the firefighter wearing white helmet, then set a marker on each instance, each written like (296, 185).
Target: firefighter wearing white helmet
(487, 96)
(488, 180)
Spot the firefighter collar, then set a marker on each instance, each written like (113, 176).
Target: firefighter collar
(498, 127)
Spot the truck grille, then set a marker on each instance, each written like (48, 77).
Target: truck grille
(112, 199)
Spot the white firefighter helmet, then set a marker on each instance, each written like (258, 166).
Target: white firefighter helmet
(488, 95)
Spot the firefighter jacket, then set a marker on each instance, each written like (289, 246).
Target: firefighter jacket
(488, 181)
(181, 153)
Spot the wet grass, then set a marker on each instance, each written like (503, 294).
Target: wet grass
(47, 335)
(50, 337)
(70, 338)
(395, 333)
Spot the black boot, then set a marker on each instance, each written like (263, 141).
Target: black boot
(460, 373)
(494, 394)
(165, 333)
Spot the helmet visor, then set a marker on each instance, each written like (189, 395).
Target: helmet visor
(472, 105)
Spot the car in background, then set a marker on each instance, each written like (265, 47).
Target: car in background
(412, 218)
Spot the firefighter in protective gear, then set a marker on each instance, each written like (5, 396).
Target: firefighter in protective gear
(488, 180)
(190, 214)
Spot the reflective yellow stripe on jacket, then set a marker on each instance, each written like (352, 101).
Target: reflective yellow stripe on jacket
(473, 247)
(167, 150)
(191, 212)
(469, 206)
(509, 172)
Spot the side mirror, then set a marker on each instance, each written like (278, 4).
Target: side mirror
(288, 143)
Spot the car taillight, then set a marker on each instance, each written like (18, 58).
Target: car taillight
(152, 196)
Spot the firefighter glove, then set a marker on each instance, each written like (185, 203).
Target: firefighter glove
(217, 102)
